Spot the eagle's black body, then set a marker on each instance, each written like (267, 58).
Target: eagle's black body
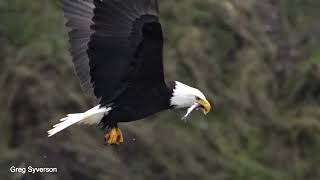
(117, 51)
(137, 103)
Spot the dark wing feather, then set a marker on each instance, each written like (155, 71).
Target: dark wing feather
(118, 48)
(125, 46)
(148, 54)
(79, 15)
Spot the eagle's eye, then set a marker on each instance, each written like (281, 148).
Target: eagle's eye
(197, 98)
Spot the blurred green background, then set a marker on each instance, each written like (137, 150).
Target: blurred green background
(258, 61)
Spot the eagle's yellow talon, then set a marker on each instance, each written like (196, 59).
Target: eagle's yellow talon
(120, 136)
(114, 137)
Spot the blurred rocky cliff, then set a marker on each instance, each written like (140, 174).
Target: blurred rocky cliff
(258, 61)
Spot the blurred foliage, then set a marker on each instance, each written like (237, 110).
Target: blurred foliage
(257, 60)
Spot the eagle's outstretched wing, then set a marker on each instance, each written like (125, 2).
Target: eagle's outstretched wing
(115, 43)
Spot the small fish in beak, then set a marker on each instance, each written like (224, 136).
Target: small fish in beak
(204, 105)
(190, 109)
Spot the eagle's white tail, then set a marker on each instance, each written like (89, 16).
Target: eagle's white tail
(92, 116)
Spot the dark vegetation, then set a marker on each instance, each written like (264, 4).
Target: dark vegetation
(258, 61)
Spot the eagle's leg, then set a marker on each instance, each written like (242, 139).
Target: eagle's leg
(114, 136)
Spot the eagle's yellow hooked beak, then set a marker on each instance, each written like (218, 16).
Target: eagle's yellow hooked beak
(204, 105)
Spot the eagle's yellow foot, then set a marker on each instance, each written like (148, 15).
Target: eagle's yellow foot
(114, 137)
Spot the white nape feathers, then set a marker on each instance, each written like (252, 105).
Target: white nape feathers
(184, 96)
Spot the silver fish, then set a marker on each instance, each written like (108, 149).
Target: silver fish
(190, 109)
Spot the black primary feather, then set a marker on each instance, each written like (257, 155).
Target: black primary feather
(79, 14)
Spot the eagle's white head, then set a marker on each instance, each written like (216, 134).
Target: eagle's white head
(184, 96)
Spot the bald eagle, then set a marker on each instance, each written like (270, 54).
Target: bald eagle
(117, 51)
